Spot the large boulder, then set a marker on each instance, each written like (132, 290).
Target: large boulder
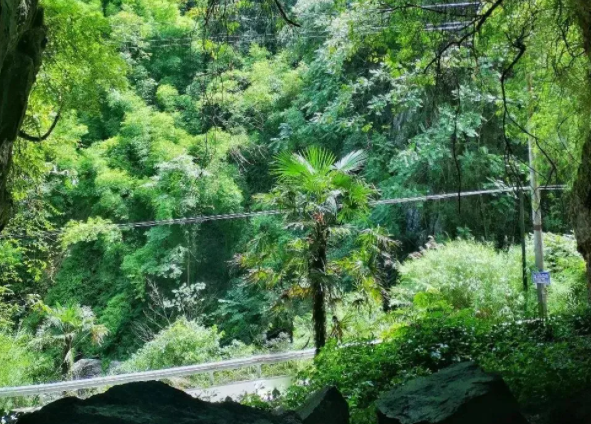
(147, 403)
(326, 406)
(87, 368)
(460, 394)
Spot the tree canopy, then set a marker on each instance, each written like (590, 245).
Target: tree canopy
(273, 130)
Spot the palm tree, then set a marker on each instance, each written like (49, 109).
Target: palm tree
(69, 326)
(372, 265)
(319, 195)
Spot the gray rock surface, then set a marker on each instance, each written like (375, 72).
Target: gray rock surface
(87, 368)
(326, 406)
(460, 394)
(22, 41)
(147, 403)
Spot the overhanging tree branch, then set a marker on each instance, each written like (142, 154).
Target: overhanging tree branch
(43, 137)
(284, 15)
(521, 47)
(213, 4)
(477, 24)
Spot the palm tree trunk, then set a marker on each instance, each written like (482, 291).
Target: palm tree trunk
(65, 367)
(390, 279)
(317, 271)
(385, 300)
(319, 316)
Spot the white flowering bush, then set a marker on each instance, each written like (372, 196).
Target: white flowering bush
(187, 300)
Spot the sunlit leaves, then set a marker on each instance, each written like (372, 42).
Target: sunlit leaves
(67, 326)
(79, 56)
(91, 230)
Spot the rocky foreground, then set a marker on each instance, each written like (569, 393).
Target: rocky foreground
(460, 394)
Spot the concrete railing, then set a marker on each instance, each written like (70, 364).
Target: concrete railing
(113, 380)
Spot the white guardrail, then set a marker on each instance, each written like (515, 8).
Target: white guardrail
(114, 380)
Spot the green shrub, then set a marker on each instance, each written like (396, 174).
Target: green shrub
(568, 290)
(16, 359)
(21, 365)
(471, 275)
(466, 274)
(183, 343)
(539, 361)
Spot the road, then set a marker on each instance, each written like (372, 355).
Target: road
(263, 387)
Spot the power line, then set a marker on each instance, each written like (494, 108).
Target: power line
(372, 28)
(246, 215)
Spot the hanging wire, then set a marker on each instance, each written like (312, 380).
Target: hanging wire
(246, 215)
(159, 42)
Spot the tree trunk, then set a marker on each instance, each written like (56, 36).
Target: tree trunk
(582, 208)
(65, 368)
(317, 274)
(582, 184)
(22, 40)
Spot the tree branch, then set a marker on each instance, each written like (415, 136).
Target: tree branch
(441, 9)
(478, 22)
(43, 137)
(284, 15)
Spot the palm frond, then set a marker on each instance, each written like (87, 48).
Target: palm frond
(352, 162)
(378, 238)
(340, 232)
(321, 160)
(291, 166)
(305, 162)
(98, 333)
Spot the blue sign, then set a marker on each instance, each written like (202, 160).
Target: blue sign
(542, 277)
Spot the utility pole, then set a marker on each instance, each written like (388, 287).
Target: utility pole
(537, 221)
(524, 276)
(536, 210)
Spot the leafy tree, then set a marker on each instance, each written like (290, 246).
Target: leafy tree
(319, 195)
(7, 309)
(69, 326)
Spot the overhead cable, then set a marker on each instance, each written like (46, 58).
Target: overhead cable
(245, 215)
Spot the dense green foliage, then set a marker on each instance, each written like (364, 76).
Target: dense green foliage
(489, 283)
(183, 343)
(535, 358)
(471, 275)
(67, 327)
(173, 109)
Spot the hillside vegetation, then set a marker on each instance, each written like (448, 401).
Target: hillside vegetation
(173, 109)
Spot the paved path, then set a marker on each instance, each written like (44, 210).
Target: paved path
(263, 387)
